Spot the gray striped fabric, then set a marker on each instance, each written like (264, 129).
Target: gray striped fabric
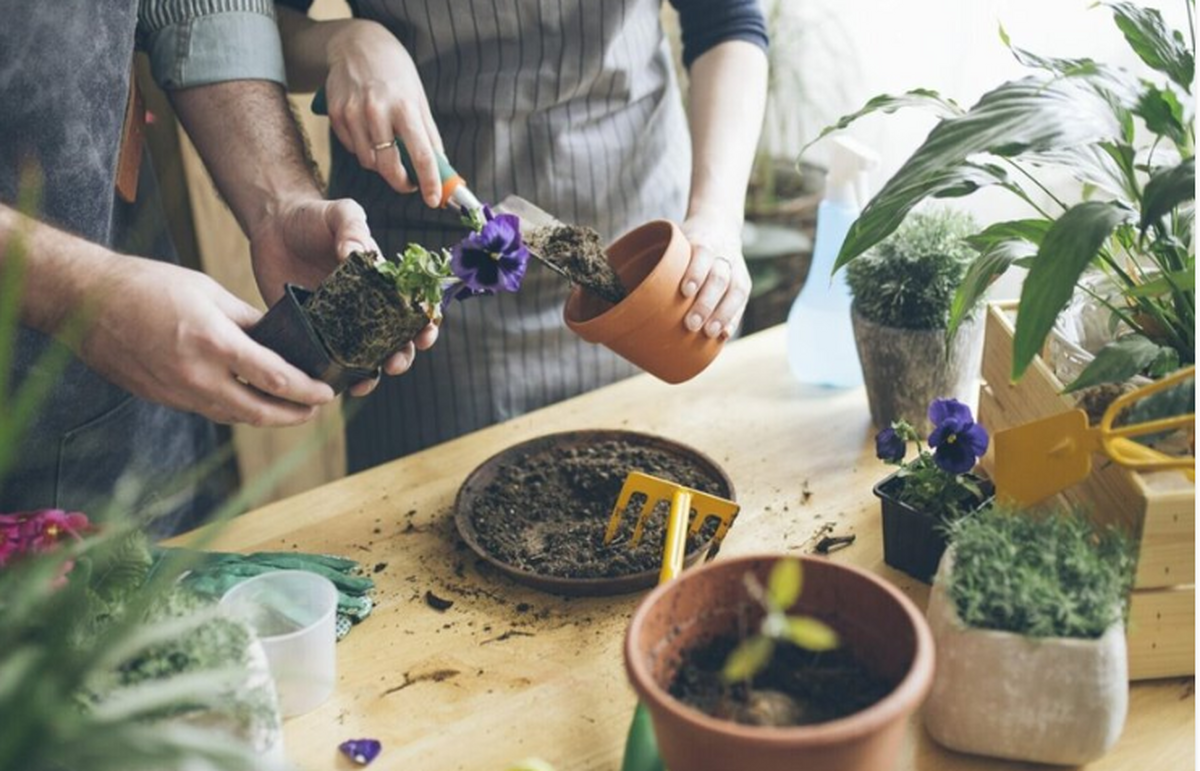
(570, 104)
(153, 15)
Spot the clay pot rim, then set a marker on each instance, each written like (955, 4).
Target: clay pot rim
(962, 627)
(588, 328)
(904, 699)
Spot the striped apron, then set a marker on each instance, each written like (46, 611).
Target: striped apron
(571, 104)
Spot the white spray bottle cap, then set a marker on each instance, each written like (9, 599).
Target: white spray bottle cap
(848, 182)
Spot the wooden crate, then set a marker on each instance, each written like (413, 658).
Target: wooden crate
(1158, 508)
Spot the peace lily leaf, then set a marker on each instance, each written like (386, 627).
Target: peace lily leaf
(890, 103)
(1070, 245)
(747, 659)
(985, 269)
(1164, 285)
(1163, 114)
(785, 584)
(1118, 361)
(1058, 66)
(1159, 48)
(1167, 189)
(811, 634)
(1027, 115)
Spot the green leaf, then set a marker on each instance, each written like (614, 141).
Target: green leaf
(1167, 189)
(1163, 114)
(1066, 251)
(748, 659)
(890, 103)
(1000, 245)
(811, 634)
(1162, 49)
(1027, 115)
(1117, 362)
(785, 583)
(1164, 285)
(1068, 67)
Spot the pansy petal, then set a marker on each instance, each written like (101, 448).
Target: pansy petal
(942, 410)
(361, 751)
(975, 436)
(889, 446)
(954, 458)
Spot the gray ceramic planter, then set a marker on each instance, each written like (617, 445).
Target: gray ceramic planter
(906, 369)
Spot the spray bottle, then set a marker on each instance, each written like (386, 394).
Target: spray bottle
(821, 348)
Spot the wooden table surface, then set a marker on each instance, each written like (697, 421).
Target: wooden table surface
(508, 672)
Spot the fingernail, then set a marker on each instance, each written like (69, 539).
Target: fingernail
(690, 288)
(713, 329)
(693, 322)
(726, 333)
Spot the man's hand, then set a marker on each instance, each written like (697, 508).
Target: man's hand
(302, 242)
(175, 337)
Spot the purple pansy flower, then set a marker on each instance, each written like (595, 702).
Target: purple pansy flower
(957, 440)
(361, 751)
(889, 446)
(491, 259)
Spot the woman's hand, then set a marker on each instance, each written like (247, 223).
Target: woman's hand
(374, 95)
(717, 276)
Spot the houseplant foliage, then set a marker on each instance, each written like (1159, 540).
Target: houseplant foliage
(1028, 617)
(1130, 142)
(902, 290)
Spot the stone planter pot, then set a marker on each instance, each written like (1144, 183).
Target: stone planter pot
(1041, 700)
(913, 540)
(646, 328)
(879, 624)
(906, 369)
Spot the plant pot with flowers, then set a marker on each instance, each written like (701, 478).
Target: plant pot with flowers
(903, 289)
(933, 490)
(1028, 616)
(741, 664)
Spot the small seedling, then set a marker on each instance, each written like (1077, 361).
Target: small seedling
(783, 589)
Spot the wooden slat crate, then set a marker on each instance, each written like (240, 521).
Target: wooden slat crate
(1158, 508)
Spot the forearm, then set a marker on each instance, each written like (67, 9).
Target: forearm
(54, 269)
(249, 141)
(725, 113)
(309, 47)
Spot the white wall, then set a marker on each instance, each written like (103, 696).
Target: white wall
(952, 46)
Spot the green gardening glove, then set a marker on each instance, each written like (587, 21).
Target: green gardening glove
(217, 572)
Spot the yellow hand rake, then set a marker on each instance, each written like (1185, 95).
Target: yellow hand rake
(683, 501)
(1039, 459)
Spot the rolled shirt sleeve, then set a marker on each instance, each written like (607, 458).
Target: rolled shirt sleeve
(198, 42)
(706, 23)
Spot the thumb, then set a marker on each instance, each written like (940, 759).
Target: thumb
(348, 223)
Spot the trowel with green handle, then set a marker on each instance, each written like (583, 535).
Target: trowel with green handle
(1039, 459)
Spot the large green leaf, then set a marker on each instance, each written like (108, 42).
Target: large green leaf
(1163, 114)
(1167, 189)
(923, 98)
(1000, 246)
(1165, 284)
(1162, 49)
(1027, 115)
(1070, 245)
(1050, 64)
(1117, 362)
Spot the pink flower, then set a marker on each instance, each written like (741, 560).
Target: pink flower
(37, 532)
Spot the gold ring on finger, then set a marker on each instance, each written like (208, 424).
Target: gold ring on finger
(383, 145)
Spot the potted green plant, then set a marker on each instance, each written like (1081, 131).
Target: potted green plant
(932, 490)
(721, 697)
(902, 291)
(1130, 141)
(1028, 618)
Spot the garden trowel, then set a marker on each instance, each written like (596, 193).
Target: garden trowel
(641, 749)
(1039, 459)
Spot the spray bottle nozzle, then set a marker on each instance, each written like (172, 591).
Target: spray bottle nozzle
(848, 172)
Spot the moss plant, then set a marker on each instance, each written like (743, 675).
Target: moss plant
(908, 281)
(1046, 574)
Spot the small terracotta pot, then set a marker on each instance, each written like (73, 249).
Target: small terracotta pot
(646, 328)
(882, 627)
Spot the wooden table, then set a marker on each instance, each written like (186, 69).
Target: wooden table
(508, 672)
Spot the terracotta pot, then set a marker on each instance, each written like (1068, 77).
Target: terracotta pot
(1041, 700)
(906, 369)
(647, 326)
(914, 540)
(882, 627)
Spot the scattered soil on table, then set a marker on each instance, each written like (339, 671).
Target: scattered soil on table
(439, 604)
(360, 316)
(798, 687)
(547, 511)
(579, 253)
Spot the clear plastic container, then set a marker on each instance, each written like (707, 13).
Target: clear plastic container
(294, 613)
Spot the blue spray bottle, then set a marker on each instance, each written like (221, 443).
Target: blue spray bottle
(820, 340)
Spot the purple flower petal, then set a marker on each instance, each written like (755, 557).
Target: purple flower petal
(954, 457)
(975, 436)
(942, 410)
(361, 751)
(889, 446)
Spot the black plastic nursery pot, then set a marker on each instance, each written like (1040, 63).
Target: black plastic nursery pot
(287, 330)
(913, 540)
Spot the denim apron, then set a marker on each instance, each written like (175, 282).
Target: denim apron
(64, 87)
(572, 105)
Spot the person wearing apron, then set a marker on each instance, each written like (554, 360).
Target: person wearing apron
(572, 105)
(157, 336)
